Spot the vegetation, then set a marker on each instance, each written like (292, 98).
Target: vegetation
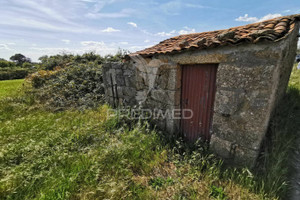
(86, 154)
(20, 66)
(10, 88)
(63, 60)
(6, 64)
(72, 82)
(77, 86)
(18, 69)
(19, 59)
(13, 73)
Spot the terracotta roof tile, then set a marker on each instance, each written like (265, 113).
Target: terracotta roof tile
(271, 30)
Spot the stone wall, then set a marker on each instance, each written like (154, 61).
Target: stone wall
(147, 83)
(120, 83)
(251, 79)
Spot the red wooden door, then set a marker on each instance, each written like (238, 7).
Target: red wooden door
(197, 95)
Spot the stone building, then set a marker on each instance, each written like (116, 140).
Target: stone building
(231, 80)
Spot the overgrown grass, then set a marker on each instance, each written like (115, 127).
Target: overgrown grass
(10, 87)
(72, 155)
(89, 155)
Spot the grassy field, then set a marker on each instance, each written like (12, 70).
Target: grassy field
(89, 155)
(9, 88)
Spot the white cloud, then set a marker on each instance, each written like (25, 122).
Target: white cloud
(269, 16)
(132, 24)
(246, 18)
(194, 5)
(55, 16)
(137, 48)
(6, 47)
(50, 50)
(123, 13)
(164, 34)
(110, 30)
(99, 47)
(146, 32)
(66, 41)
(92, 43)
(186, 30)
(146, 41)
(123, 43)
(45, 10)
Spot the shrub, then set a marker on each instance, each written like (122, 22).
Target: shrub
(39, 78)
(65, 60)
(73, 80)
(51, 62)
(27, 65)
(14, 73)
(75, 86)
(6, 64)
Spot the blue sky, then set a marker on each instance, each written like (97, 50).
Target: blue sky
(39, 27)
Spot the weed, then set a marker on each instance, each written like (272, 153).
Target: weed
(217, 193)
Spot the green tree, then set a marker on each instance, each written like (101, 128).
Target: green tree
(19, 59)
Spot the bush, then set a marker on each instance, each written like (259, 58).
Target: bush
(65, 60)
(71, 80)
(14, 73)
(75, 86)
(27, 65)
(39, 78)
(7, 64)
(51, 62)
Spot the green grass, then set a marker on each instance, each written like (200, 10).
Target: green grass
(10, 87)
(70, 155)
(88, 155)
(295, 77)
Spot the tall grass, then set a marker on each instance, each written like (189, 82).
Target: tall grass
(72, 155)
(88, 155)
